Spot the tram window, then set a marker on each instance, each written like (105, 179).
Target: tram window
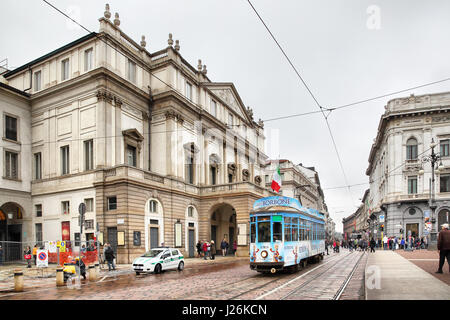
(263, 218)
(301, 233)
(252, 233)
(264, 231)
(287, 232)
(295, 232)
(252, 219)
(287, 220)
(277, 231)
(294, 220)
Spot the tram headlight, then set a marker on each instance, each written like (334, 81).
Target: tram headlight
(264, 254)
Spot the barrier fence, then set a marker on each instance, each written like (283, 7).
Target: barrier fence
(59, 252)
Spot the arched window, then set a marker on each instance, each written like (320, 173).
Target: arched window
(190, 212)
(411, 149)
(153, 206)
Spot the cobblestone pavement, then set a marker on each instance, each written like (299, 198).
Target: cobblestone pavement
(223, 278)
(427, 260)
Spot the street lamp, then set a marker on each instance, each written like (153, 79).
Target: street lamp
(433, 158)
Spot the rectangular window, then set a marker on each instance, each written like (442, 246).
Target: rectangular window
(88, 155)
(38, 209)
(412, 185)
(264, 231)
(65, 69)
(11, 165)
(112, 203)
(277, 231)
(230, 120)
(65, 160)
(213, 175)
(131, 156)
(88, 59)
(37, 166)
(131, 71)
(189, 91)
(38, 232)
(213, 108)
(65, 207)
(89, 204)
(10, 128)
(153, 206)
(37, 81)
(252, 233)
(445, 148)
(411, 152)
(287, 229)
(444, 183)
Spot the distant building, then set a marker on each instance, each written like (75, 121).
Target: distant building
(399, 180)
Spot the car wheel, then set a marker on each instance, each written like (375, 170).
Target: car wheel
(181, 266)
(138, 273)
(158, 268)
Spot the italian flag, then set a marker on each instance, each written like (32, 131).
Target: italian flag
(276, 180)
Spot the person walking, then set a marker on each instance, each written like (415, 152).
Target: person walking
(199, 249)
(205, 250)
(326, 246)
(27, 256)
(402, 243)
(224, 247)
(109, 256)
(35, 248)
(385, 242)
(372, 245)
(234, 247)
(443, 245)
(213, 250)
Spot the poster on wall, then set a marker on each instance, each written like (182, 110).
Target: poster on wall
(427, 222)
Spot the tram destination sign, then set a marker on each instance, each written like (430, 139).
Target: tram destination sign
(277, 201)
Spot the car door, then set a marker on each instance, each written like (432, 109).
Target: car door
(166, 260)
(175, 258)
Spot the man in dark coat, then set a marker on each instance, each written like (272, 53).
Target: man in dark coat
(109, 256)
(372, 245)
(443, 246)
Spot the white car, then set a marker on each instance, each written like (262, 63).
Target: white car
(159, 259)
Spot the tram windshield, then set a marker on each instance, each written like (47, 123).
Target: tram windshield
(264, 231)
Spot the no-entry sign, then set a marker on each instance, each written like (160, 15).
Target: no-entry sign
(42, 259)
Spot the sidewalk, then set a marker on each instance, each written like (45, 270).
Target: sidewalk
(400, 279)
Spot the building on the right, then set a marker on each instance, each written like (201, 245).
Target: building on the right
(409, 167)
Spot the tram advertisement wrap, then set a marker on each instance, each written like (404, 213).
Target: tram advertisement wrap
(266, 252)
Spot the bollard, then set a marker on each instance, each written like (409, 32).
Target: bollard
(59, 277)
(92, 273)
(18, 280)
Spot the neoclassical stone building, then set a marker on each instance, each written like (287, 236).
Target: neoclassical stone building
(399, 179)
(157, 151)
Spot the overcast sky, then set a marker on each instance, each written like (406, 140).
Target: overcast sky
(346, 51)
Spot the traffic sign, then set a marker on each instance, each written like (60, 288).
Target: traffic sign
(381, 217)
(82, 208)
(42, 259)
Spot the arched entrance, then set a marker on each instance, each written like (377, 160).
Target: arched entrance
(443, 217)
(11, 215)
(154, 224)
(223, 225)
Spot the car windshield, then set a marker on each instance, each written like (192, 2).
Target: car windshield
(152, 253)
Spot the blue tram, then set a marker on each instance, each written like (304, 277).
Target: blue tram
(284, 234)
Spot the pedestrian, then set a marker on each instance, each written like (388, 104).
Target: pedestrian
(425, 242)
(199, 248)
(1, 255)
(224, 246)
(372, 245)
(205, 250)
(109, 256)
(395, 243)
(83, 249)
(443, 245)
(234, 247)
(27, 256)
(326, 247)
(402, 243)
(334, 245)
(35, 248)
(213, 250)
(385, 242)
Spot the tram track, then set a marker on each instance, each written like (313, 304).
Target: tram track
(302, 288)
(266, 283)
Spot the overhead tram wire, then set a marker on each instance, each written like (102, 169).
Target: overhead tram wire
(310, 92)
